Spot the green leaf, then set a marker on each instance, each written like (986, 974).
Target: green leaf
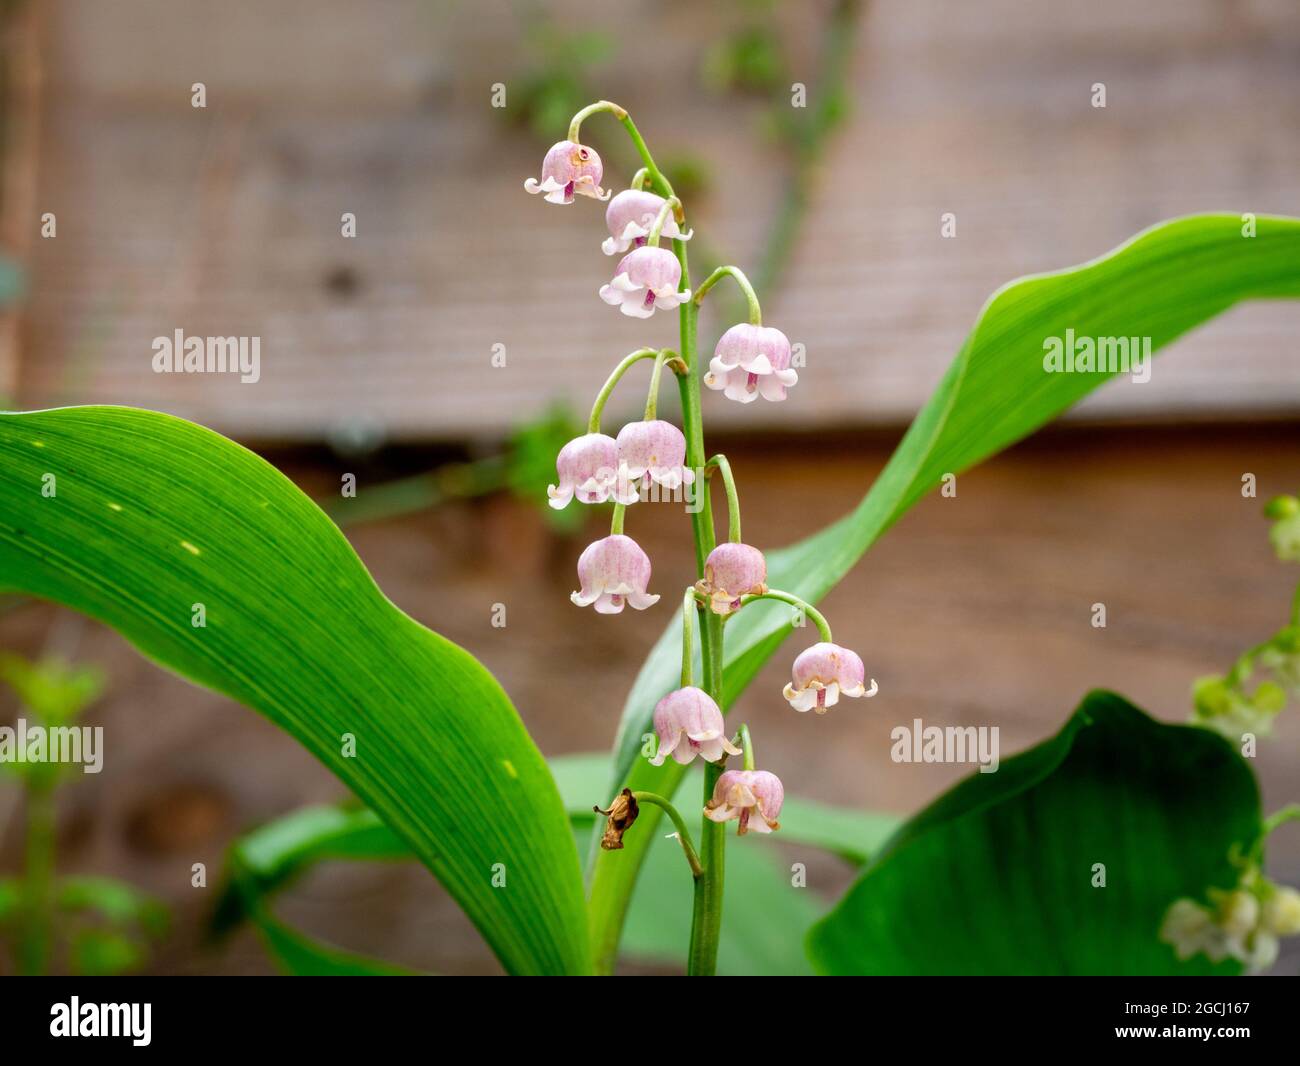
(996, 876)
(1162, 283)
(153, 515)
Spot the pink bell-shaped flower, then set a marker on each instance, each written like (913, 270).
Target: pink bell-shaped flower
(655, 448)
(569, 168)
(743, 794)
(751, 361)
(612, 572)
(644, 279)
(588, 468)
(732, 571)
(631, 215)
(688, 723)
(824, 673)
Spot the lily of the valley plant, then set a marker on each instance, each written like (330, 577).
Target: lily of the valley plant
(646, 224)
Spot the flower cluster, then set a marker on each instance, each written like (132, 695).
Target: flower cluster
(1243, 923)
(653, 456)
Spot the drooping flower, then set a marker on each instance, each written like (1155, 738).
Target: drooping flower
(656, 448)
(751, 361)
(645, 278)
(824, 673)
(569, 168)
(688, 723)
(588, 468)
(613, 572)
(730, 572)
(743, 794)
(631, 215)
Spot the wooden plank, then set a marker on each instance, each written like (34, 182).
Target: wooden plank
(225, 221)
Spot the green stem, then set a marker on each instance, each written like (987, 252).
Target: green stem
(1289, 813)
(720, 463)
(38, 883)
(747, 745)
(652, 399)
(575, 127)
(639, 179)
(755, 312)
(706, 918)
(819, 619)
(593, 423)
(683, 834)
(690, 619)
(616, 522)
(670, 205)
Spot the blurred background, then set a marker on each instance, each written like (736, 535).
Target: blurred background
(377, 360)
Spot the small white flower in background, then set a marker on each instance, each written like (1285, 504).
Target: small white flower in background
(631, 215)
(645, 279)
(569, 169)
(1231, 712)
(1243, 923)
(614, 572)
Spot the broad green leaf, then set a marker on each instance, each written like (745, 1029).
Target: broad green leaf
(153, 515)
(1165, 281)
(997, 876)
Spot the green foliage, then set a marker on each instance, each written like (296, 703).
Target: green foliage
(1162, 283)
(154, 515)
(1065, 861)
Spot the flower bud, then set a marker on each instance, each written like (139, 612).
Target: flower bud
(1281, 912)
(730, 572)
